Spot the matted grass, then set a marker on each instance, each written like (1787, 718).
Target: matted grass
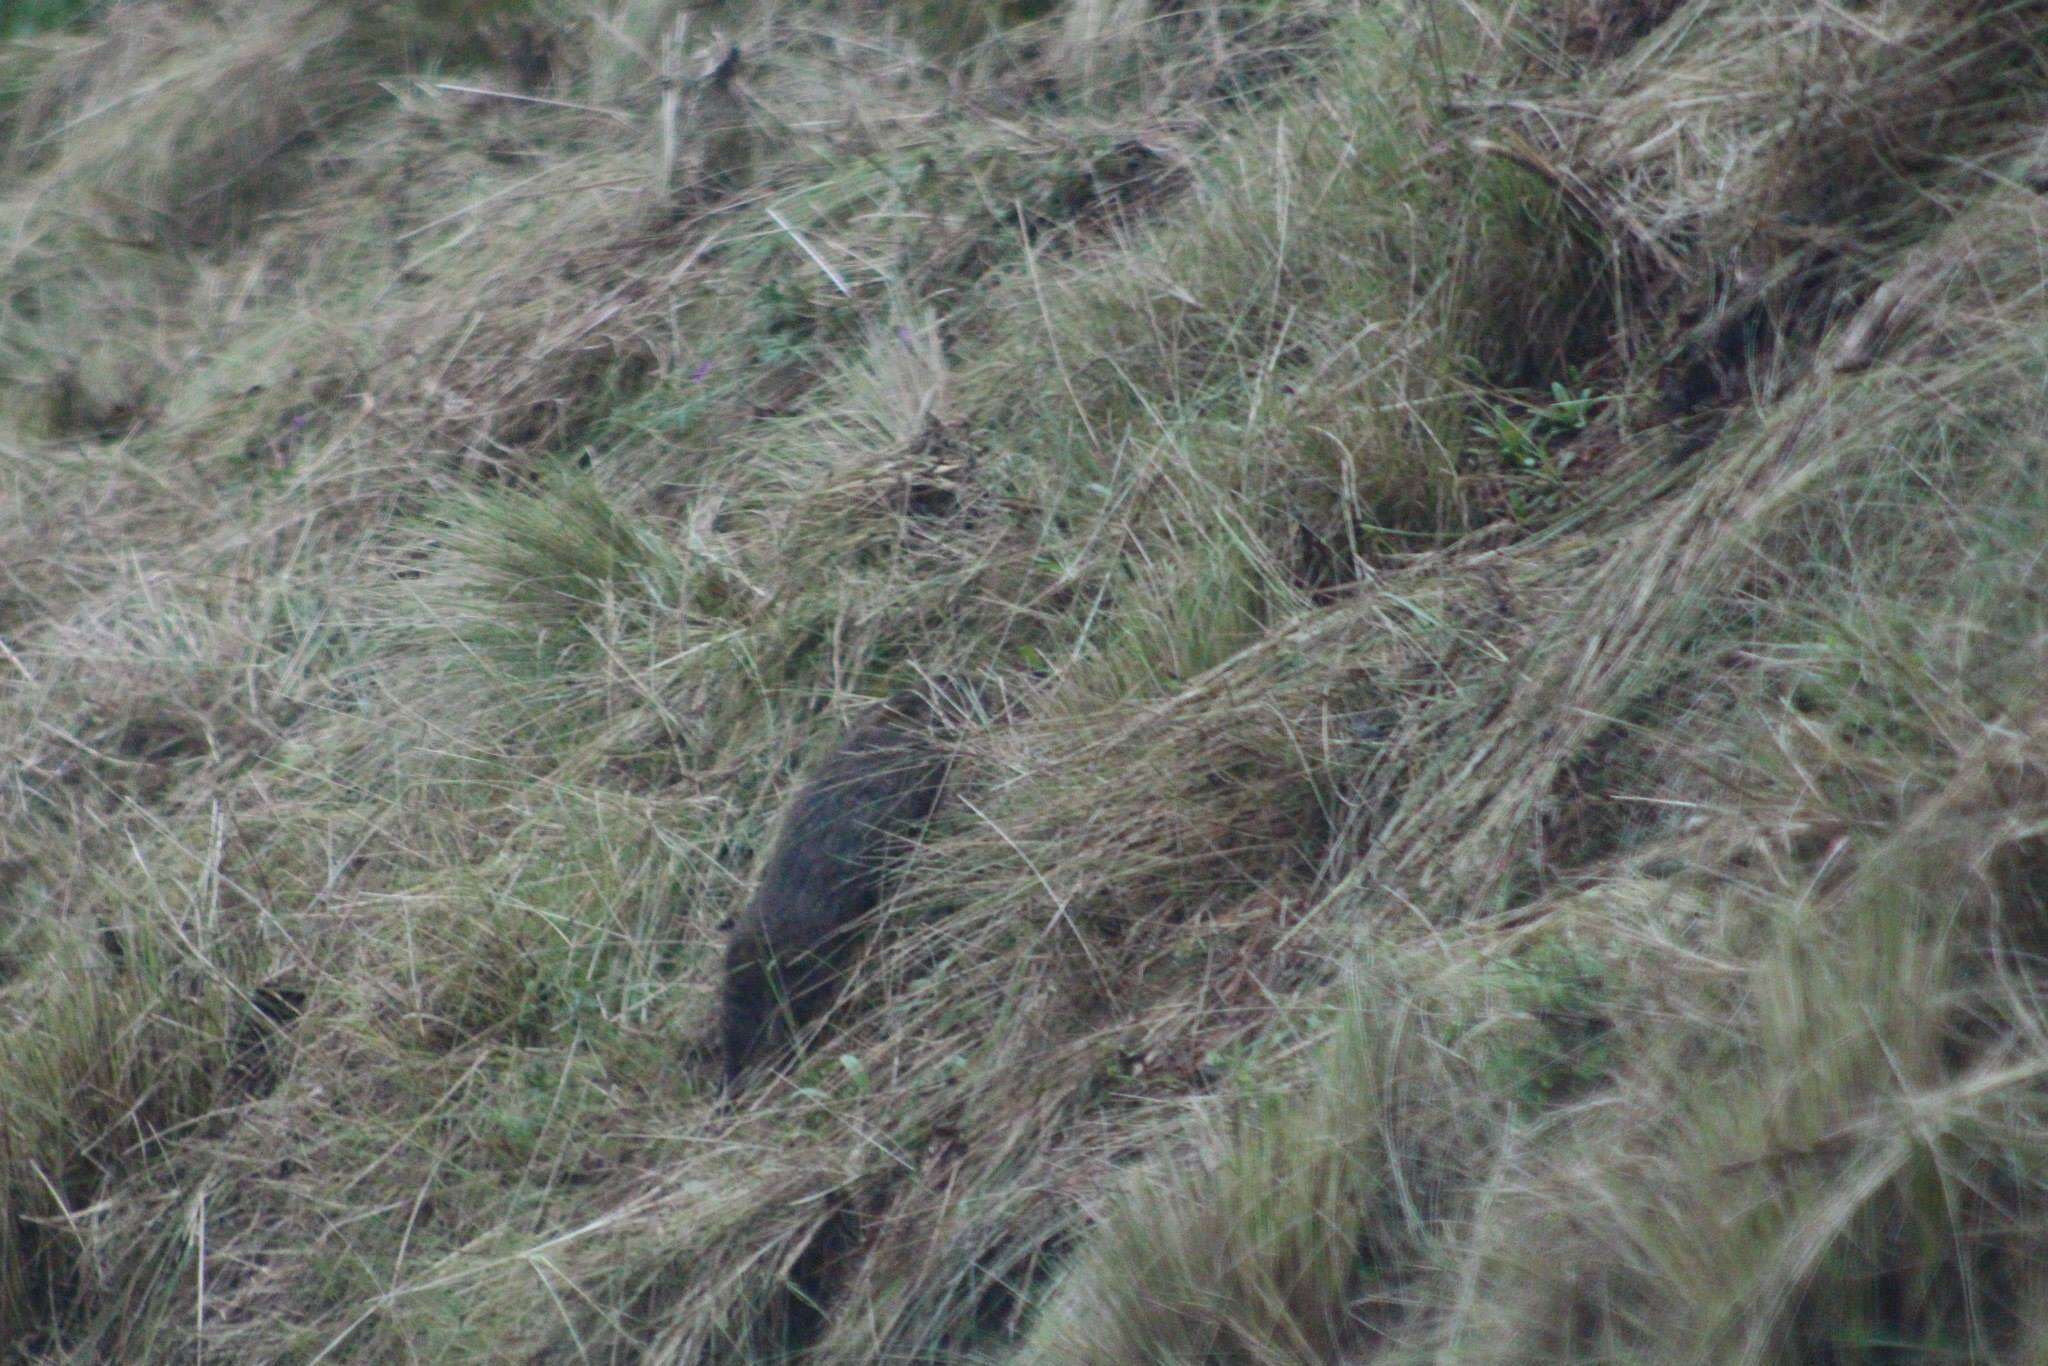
(1488, 556)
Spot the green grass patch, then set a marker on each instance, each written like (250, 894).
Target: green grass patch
(38, 16)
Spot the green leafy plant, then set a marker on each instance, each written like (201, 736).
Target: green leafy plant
(1525, 443)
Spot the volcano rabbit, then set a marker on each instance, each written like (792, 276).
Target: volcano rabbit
(841, 841)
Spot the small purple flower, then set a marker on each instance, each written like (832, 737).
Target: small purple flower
(700, 372)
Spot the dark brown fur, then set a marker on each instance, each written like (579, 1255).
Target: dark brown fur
(841, 841)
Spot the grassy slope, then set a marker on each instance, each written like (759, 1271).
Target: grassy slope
(1504, 548)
